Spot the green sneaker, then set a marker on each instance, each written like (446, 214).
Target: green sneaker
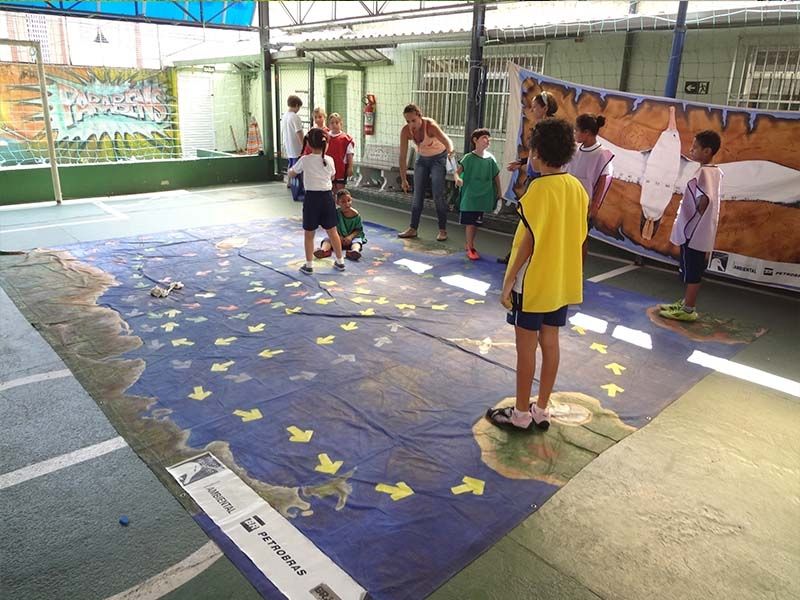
(674, 306)
(678, 314)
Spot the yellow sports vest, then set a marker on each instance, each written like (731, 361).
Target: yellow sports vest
(554, 209)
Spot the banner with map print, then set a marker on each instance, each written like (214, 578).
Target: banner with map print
(758, 237)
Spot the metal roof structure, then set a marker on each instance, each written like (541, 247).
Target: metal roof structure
(230, 14)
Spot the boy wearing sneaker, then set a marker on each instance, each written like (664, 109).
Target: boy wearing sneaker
(348, 225)
(542, 279)
(695, 227)
(478, 177)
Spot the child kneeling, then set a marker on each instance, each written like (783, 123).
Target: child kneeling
(349, 226)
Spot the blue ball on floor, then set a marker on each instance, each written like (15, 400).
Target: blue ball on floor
(124, 520)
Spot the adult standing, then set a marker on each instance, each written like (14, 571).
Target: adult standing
(433, 149)
(292, 134)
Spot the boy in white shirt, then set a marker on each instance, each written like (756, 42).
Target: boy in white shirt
(292, 134)
(695, 227)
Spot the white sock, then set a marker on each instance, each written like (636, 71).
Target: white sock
(520, 417)
(309, 264)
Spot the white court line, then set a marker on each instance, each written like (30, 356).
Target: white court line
(112, 211)
(174, 577)
(60, 462)
(740, 371)
(67, 224)
(35, 378)
(612, 273)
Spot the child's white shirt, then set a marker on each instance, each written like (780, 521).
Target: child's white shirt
(316, 176)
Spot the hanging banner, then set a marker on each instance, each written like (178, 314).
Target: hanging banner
(758, 237)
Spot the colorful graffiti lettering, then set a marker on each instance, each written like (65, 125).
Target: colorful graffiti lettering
(99, 107)
(96, 114)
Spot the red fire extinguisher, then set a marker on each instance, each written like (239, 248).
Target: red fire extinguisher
(369, 114)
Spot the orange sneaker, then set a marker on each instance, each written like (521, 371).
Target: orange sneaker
(472, 254)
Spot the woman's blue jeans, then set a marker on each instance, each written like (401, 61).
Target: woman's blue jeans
(433, 168)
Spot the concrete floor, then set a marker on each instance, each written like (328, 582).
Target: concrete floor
(701, 503)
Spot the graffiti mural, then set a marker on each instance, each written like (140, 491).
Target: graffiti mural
(97, 114)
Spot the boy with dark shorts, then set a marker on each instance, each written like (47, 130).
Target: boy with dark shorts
(695, 227)
(477, 176)
(545, 270)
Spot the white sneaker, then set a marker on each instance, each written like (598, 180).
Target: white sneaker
(541, 417)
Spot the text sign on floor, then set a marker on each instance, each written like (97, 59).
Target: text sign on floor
(286, 557)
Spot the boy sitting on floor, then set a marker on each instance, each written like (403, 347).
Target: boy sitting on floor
(349, 226)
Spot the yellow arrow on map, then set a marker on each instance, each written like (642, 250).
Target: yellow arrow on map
(224, 341)
(293, 284)
(293, 311)
(299, 435)
(218, 367)
(326, 465)
(351, 326)
(257, 288)
(616, 368)
(601, 348)
(612, 389)
(256, 328)
(249, 415)
(396, 492)
(360, 300)
(324, 341)
(199, 393)
(439, 306)
(168, 327)
(182, 342)
(470, 485)
(172, 313)
(473, 301)
(361, 290)
(206, 295)
(269, 353)
(325, 301)
(382, 300)
(405, 306)
(327, 282)
(367, 313)
(580, 330)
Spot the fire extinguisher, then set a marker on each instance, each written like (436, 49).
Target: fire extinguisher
(369, 114)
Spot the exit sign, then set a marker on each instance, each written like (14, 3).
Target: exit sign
(696, 87)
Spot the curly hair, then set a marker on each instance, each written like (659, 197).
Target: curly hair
(553, 141)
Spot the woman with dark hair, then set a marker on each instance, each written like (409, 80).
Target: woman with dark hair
(433, 150)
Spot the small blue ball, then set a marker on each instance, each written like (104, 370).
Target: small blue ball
(124, 520)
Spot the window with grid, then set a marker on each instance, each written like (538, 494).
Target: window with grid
(769, 79)
(443, 75)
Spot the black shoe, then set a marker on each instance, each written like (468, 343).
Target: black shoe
(306, 269)
(339, 266)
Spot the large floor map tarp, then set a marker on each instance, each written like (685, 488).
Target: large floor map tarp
(401, 481)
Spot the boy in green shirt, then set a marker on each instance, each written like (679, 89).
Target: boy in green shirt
(477, 176)
(349, 227)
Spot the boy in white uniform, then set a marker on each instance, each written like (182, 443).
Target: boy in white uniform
(292, 135)
(695, 227)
